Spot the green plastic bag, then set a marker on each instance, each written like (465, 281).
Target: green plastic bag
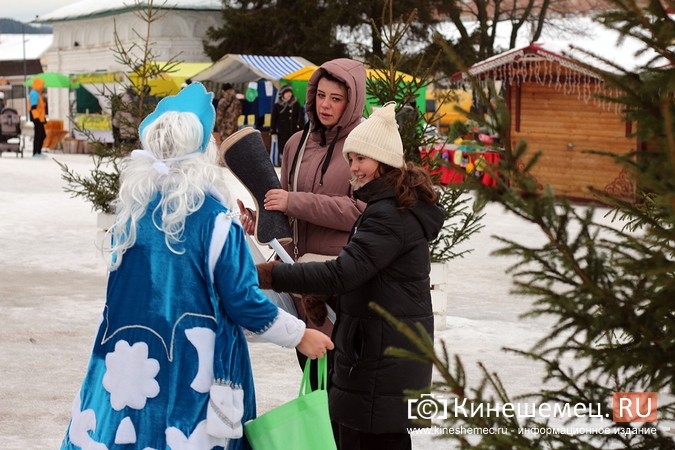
(301, 424)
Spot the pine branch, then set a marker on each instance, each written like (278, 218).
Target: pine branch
(100, 187)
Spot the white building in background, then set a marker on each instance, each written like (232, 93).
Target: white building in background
(83, 38)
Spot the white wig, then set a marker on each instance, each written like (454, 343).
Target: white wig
(171, 166)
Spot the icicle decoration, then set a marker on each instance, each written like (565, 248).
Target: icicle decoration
(535, 65)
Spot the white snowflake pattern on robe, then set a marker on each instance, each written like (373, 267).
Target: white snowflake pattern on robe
(198, 440)
(81, 423)
(126, 432)
(203, 340)
(130, 375)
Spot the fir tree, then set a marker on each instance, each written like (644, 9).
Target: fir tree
(610, 289)
(101, 185)
(462, 218)
(282, 28)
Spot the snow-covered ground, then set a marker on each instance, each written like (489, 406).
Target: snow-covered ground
(52, 287)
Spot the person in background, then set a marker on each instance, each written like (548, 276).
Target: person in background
(38, 115)
(125, 127)
(149, 98)
(170, 366)
(288, 117)
(227, 113)
(386, 262)
(315, 192)
(2, 101)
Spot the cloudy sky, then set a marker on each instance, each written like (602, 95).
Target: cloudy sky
(26, 10)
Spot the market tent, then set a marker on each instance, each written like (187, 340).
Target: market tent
(185, 70)
(92, 102)
(259, 74)
(171, 81)
(441, 104)
(160, 86)
(168, 83)
(298, 81)
(233, 68)
(53, 80)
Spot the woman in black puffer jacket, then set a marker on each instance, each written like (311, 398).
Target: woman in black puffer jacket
(387, 262)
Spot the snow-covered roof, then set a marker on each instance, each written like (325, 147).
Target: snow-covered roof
(566, 56)
(88, 8)
(570, 37)
(12, 46)
(499, 66)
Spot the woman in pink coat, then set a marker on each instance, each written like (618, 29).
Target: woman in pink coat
(315, 192)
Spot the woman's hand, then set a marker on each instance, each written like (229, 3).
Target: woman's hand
(314, 344)
(247, 218)
(276, 200)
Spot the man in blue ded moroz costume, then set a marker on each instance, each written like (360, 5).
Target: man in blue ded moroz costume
(170, 367)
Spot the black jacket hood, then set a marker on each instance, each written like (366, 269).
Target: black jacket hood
(430, 216)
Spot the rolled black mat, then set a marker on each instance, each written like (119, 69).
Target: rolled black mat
(246, 156)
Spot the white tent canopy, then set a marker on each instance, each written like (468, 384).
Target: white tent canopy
(233, 68)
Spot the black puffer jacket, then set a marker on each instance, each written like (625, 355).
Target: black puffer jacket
(386, 261)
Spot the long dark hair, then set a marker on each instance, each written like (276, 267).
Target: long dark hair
(412, 184)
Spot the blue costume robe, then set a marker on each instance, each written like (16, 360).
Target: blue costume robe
(170, 328)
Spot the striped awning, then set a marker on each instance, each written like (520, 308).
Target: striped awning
(244, 68)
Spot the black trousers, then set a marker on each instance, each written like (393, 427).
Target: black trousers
(350, 439)
(39, 136)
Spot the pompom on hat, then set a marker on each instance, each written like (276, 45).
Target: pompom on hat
(195, 99)
(378, 138)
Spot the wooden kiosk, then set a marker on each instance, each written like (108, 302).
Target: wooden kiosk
(553, 107)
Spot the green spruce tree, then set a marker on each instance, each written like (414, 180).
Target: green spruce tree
(462, 215)
(101, 185)
(609, 289)
(280, 28)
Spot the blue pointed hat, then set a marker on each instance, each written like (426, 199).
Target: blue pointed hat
(195, 99)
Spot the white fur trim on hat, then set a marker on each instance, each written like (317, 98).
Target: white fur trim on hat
(378, 138)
